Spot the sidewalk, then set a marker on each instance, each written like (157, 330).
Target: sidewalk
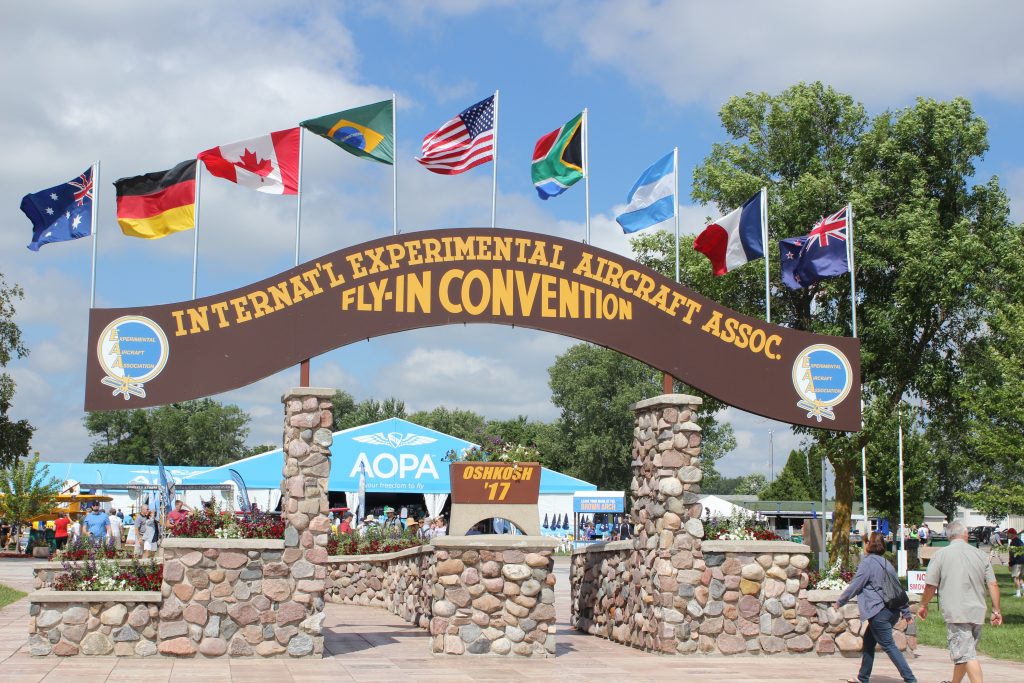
(368, 645)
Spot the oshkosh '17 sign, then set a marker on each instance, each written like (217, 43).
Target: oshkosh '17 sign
(500, 483)
(154, 355)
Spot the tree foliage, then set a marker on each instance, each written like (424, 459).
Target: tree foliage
(26, 490)
(928, 274)
(348, 413)
(201, 433)
(594, 387)
(800, 479)
(15, 435)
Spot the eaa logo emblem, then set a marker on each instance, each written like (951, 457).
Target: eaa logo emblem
(822, 376)
(389, 465)
(132, 350)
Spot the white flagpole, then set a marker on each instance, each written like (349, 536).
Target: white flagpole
(195, 237)
(901, 563)
(586, 166)
(494, 171)
(394, 160)
(95, 227)
(764, 243)
(675, 202)
(298, 199)
(853, 326)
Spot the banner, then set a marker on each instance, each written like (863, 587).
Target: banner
(153, 355)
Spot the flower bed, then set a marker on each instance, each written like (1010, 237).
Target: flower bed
(373, 541)
(222, 524)
(737, 527)
(84, 548)
(109, 575)
(835, 578)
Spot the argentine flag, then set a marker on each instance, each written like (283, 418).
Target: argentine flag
(652, 199)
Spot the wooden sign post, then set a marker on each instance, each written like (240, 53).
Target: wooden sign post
(483, 490)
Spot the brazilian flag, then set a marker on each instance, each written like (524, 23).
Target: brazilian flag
(364, 131)
(558, 159)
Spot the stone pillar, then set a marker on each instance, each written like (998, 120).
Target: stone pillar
(493, 595)
(667, 564)
(308, 419)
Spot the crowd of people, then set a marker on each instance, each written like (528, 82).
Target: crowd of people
(424, 528)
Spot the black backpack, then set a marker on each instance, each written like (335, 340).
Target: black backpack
(893, 596)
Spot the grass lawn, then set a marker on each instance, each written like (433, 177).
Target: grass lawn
(9, 595)
(1004, 642)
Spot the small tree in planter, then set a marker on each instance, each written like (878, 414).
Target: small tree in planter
(26, 490)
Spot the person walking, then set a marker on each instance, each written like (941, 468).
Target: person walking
(960, 573)
(147, 532)
(1016, 560)
(116, 525)
(97, 523)
(60, 530)
(866, 586)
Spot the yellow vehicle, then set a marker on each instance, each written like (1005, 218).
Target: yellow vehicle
(71, 504)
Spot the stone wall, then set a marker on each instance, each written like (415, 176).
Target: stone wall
(751, 598)
(668, 590)
(92, 623)
(235, 597)
(398, 582)
(493, 595)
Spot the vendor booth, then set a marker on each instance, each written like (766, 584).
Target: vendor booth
(395, 463)
(597, 516)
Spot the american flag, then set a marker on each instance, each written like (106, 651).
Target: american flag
(463, 143)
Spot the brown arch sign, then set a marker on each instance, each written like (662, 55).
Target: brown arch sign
(154, 355)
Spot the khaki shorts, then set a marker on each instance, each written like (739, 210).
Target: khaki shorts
(1017, 571)
(963, 642)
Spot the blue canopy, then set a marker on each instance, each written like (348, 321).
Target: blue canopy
(398, 456)
(107, 473)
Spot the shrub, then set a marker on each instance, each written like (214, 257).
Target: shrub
(737, 527)
(90, 548)
(374, 540)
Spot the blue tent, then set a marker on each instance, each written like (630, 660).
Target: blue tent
(106, 473)
(398, 456)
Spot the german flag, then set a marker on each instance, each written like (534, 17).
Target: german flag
(156, 204)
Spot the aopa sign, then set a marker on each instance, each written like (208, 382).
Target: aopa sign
(174, 352)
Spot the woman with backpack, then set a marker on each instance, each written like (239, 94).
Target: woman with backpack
(880, 601)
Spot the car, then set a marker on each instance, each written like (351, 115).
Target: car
(980, 534)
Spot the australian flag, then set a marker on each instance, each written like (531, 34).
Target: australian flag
(60, 213)
(821, 254)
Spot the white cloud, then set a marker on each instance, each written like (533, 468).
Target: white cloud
(1013, 181)
(880, 51)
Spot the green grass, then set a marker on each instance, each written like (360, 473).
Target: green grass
(9, 595)
(1004, 642)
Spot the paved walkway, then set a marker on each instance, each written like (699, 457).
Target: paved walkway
(369, 645)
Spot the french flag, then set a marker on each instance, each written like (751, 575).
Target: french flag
(735, 238)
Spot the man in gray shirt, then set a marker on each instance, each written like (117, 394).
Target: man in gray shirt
(961, 573)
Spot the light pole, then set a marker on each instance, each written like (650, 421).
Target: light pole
(771, 453)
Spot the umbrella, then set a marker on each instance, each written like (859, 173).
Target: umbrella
(565, 521)
(546, 525)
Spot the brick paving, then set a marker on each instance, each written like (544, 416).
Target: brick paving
(369, 645)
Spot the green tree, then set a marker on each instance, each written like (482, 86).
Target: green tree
(752, 485)
(990, 394)
(594, 388)
(926, 266)
(798, 480)
(26, 490)
(15, 435)
(462, 424)
(349, 414)
(194, 434)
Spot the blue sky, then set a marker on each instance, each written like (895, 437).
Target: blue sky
(145, 87)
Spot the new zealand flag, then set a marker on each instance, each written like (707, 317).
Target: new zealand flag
(821, 254)
(60, 213)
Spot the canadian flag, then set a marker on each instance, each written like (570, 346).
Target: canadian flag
(269, 163)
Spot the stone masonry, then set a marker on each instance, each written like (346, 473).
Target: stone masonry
(93, 624)
(398, 582)
(668, 590)
(307, 466)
